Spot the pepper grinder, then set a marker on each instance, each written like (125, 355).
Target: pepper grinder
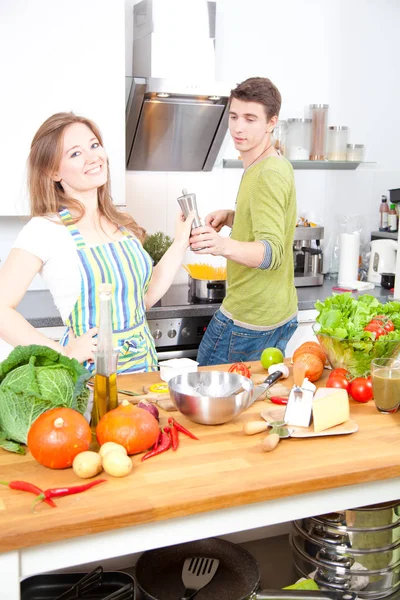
(188, 203)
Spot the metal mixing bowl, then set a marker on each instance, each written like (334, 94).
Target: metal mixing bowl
(211, 397)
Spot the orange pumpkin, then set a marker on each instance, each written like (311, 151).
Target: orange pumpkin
(57, 436)
(314, 366)
(134, 428)
(310, 347)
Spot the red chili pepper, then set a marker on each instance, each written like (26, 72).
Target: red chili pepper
(279, 400)
(25, 486)
(164, 445)
(174, 437)
(181, 428)
(66, 491)
(158, 440)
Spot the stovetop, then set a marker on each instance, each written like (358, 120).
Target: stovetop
(178, 295)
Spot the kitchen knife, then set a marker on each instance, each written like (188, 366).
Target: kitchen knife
(259, 390)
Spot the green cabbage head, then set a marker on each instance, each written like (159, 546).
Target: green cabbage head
(34, 379)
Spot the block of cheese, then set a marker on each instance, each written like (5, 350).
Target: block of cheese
(330, 407)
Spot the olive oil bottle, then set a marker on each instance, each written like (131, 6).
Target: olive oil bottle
(106, 359)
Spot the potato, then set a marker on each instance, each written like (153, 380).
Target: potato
(110, 446)
(87, 464)
(117, 464)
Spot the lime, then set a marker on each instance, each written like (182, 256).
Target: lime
(271, 356)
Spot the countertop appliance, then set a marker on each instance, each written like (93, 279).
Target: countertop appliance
(382, 259)
(180, 337)
(176, 113)
(307, 256)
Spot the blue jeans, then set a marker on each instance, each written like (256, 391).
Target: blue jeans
(225, 342)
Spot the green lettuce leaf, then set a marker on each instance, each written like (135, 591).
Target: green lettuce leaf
(341, 321)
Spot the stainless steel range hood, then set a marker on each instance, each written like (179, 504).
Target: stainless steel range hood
(177, 122)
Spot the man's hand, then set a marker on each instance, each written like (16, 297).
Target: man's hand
(205, 240)
(219, 218)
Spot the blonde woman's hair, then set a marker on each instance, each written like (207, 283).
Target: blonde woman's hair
(47, 196)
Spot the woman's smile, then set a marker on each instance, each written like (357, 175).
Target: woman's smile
(94, 170)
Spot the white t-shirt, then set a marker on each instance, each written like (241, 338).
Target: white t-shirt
(49, 239)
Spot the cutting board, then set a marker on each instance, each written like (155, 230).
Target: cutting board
(162, 400)
(278, 413)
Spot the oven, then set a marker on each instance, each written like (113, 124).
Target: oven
(178, 323)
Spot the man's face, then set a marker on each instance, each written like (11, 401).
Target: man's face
(248, 124)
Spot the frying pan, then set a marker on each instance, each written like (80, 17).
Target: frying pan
(159, 575)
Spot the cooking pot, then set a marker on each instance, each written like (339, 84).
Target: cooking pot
(159, 575)
(206, 290)
(357, 549)
(339, 573)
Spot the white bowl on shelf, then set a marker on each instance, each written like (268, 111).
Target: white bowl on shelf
(176, 366)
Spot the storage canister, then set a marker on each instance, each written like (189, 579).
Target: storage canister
(337, 142)
(298, 139)
(355, 152)
(319, 116)
(280, 134)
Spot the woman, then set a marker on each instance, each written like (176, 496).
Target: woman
(77, 240)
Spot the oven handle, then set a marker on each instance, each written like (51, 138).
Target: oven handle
(168, 354)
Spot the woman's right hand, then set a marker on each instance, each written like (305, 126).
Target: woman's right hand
(219, 218)
(82, 347)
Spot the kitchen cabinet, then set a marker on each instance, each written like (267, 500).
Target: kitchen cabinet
(60, 57)
(219, 485)
(304, 332)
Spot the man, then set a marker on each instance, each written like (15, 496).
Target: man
(260, 307)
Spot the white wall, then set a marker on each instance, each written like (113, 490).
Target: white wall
(344, 53)
(57, 56)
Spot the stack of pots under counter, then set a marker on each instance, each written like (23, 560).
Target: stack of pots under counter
(356, 550)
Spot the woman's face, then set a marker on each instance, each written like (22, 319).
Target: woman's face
(83, 164)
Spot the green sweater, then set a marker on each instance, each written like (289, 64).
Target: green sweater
(265, 210)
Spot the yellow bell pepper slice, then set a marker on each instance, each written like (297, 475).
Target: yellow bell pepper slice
(159, 388)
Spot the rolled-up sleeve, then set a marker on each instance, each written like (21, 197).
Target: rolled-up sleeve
(268, 207)
(267, 258)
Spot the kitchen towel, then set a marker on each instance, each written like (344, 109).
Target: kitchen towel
(349, 254)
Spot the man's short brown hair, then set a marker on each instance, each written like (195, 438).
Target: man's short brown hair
(262, 90)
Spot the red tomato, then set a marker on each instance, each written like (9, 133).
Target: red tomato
(337, 381)
(360, 389)
(376, 328)
(339, 372)
(388, 326)
(241, 369)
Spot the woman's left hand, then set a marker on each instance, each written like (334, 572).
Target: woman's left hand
(205, 240)
(182, 229)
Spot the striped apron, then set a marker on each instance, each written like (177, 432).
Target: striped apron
(128, 267)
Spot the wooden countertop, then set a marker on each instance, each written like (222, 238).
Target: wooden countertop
(225, 468)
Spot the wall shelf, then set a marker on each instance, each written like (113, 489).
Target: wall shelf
(231, 163)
